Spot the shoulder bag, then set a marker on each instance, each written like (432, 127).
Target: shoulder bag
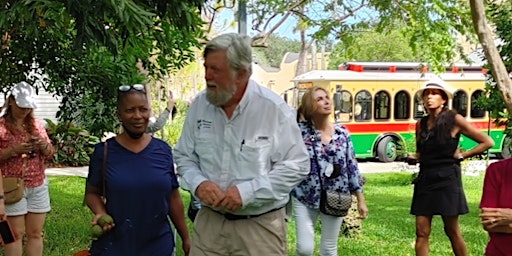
(14, 187)
(332, 202)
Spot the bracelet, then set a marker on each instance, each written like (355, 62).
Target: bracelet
(2, 197)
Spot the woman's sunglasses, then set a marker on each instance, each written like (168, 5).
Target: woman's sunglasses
(125, 88)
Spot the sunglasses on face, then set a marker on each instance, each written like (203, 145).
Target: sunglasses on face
(137, 87)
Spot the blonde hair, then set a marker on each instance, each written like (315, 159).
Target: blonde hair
(308, 104)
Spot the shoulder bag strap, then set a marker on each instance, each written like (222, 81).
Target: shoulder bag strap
(104, 167)
(24, 166)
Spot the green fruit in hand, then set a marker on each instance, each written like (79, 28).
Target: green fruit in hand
(96, 231)
(105, 220)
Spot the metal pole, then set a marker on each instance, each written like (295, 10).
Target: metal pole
(242, 17)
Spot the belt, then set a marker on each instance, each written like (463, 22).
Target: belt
(230, 216)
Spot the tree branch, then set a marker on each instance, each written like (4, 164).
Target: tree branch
(499, 71)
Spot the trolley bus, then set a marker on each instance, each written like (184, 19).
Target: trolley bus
(377, 104)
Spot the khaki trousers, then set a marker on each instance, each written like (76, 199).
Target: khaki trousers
(215, 235)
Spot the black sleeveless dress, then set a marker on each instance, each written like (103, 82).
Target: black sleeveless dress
(438, 190)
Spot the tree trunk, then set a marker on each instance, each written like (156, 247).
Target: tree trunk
(485, 36)
(301, 62)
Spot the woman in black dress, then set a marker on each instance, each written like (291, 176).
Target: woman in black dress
(438, 188)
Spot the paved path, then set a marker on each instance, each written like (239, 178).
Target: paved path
(365, 167)
(68, 171)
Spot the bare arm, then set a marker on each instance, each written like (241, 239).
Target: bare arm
(464, 127)
(177, 215)
(95, 203)
(161, 120)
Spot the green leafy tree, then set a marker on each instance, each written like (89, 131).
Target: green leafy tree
(430, 25)
(373, 46)
(83, 50)
(498, 84)
(275, 48)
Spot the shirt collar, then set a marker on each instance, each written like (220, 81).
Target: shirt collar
(249, 91)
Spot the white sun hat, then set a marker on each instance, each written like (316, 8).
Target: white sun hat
(24, 95)
(435, 84)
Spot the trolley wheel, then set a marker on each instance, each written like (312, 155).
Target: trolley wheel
(386, 150)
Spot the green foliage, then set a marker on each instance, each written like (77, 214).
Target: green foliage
(373, 46)
(429, 25)
(83, 50)
(388, 230)
(406, 147)
(277, 47)
(73, 145)
(172, 132)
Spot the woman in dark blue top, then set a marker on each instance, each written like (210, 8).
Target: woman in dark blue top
(141, 188)
(438, 189)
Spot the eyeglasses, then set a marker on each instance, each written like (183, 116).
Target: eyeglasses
(125, 88)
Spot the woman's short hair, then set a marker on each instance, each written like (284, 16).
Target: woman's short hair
(238, 50)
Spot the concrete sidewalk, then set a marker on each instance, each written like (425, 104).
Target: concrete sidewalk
(469, 167)
(365, 167)
(68, 171)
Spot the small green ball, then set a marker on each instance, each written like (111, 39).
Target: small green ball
(105, 220)
(96, 231)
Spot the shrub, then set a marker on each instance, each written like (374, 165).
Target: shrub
(172, 132)
(73, 145)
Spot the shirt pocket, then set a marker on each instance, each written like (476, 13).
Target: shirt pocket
(205, 146)
(254, 159)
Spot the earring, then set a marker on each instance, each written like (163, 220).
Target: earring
(442, 105)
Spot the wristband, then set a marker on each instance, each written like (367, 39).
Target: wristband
(2, 197)
(460, 157)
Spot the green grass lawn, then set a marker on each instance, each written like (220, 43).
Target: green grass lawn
(389, 229)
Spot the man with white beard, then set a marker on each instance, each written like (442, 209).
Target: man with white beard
(240, 153)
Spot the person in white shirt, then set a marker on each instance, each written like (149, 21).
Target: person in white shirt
(157, 124)
(240, 153)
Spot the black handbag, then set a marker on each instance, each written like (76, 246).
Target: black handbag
(332, 203)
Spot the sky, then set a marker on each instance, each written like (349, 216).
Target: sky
(224, 23)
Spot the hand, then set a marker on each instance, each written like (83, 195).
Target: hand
(95, 219)
(3, 217)
(457, 154)
(209, 193)
(411, 160)
(362, 209)
(493, 217)
(232, 201)
(39, 142)
(22, 148)
(185, 245)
